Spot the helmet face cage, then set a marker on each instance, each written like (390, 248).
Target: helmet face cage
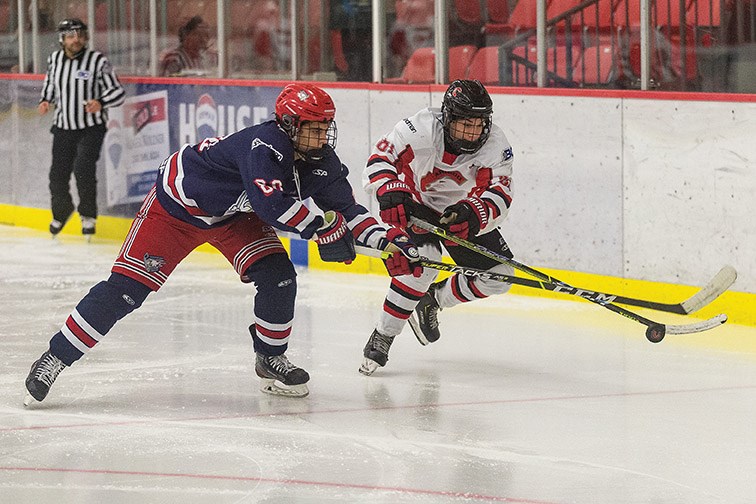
(300, 103)
(466, 99)
(71, 25)
(307, 136)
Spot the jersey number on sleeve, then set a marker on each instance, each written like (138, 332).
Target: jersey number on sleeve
(208, 142)
(384, 145)
(268, 188)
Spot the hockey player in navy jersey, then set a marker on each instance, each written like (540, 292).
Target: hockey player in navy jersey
(233, 193)
(452, 167)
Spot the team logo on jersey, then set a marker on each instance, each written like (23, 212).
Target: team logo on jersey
(83, 75)
(207, 117)
(438, 174)
(153, 263)
(257, 143)
(507, 154)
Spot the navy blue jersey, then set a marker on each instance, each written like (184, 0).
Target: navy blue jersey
(254, 170)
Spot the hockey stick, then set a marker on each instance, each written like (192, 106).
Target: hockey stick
(558, 286)
(655, 331)
(653, 336)
(712, 290)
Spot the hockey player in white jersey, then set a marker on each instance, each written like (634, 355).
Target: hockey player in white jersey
(453, 167)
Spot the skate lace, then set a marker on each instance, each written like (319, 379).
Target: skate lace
(48, 369)
(281, 364)
(432, 309)
(382, 343)
(432, 316)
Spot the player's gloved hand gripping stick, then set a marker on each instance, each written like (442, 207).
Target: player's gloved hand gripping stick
(334, 239)
(400, 254)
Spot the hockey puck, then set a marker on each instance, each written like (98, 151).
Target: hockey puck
(655, 333)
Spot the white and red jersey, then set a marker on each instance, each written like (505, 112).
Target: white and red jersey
(414, 153)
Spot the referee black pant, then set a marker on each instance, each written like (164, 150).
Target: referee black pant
(75, 151)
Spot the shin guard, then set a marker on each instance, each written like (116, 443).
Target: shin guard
(276, 283)
(104, 305)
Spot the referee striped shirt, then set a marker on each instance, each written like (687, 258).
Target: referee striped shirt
(71, 82)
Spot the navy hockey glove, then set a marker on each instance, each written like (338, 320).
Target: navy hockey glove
(405, 259)
(395, 200)
(465, 218)
(335, 240)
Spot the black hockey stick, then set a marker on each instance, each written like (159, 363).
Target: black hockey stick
(655, 331)
(712, 290)
(654, 337)
(599, 297)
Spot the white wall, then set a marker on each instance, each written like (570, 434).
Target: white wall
(652, 189)
(649, 189)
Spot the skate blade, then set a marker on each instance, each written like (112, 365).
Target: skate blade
(415, 326)
(368, 366)
(273, 387)
(29, 399)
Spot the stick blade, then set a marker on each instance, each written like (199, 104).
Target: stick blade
(703, 325)
(720, 283)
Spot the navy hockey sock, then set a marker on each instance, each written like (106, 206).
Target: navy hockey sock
(276, 283)
(104, 305)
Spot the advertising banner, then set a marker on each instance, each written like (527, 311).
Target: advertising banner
(158, 119)
(136, 143)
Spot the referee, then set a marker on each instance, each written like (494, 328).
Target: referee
(82, 85)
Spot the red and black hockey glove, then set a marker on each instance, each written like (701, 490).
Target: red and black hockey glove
(405, 259)
(335, 240)
(395, 200)
(465, 218)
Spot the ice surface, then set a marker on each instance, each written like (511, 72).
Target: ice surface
(523, 400)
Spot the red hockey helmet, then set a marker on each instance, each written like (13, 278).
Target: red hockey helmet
(302, 102)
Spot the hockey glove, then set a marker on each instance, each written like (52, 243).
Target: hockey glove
(465, 218)
(395, 200)
(405, 259)
(335, 240)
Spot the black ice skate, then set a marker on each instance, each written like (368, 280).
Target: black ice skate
(55, 227)
(278, 376)
(42, 375)
(424, 320)
(375, 352)
(88, 227)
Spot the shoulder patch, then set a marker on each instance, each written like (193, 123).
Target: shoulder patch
(259, 143)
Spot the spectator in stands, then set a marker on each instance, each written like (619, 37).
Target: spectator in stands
(271, 37)
(193, 55)
(412, 30)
